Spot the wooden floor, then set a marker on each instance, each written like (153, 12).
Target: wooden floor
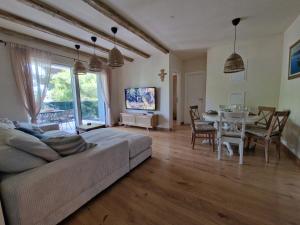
(181, 186)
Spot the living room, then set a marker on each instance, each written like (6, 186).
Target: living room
(149, 112)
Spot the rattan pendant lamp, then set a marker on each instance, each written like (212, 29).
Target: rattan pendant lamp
(235, 62)
(78, 67)
(95, 64)
(115, 58)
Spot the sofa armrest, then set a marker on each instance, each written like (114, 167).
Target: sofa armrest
(1, 216)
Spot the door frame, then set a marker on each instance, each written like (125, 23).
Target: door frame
(179, 110)
(175, 96)
(186, 106)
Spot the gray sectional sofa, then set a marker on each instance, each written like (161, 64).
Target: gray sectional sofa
(48, 194)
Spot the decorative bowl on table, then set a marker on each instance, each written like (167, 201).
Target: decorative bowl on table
(212, 112)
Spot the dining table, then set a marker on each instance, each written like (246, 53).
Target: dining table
(215, 118)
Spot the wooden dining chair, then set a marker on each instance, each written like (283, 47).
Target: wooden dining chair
(194, 109)
(233, 132)
(198, 119)
(202, 131)
(266, 114)
(270, 135)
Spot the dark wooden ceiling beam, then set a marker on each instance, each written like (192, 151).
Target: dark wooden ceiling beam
(45, 29)
(46, 8)
(109, 12)
(50, 44)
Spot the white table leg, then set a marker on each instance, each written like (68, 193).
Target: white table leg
(241, 151)
(228, 147)
(219, 149)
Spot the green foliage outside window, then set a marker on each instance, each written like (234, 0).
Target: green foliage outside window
(59, 88)
(59, 94)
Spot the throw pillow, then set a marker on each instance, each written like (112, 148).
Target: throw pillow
(13, 160)
(30, 144)
(68, 145)
(6, 123)
(32, 132)
(29, 126)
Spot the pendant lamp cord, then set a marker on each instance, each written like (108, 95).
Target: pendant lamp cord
(115, 40)
(234, 38)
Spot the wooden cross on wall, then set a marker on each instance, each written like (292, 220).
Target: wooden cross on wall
(162, 74)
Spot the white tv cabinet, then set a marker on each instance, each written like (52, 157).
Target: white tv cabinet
(139, 120)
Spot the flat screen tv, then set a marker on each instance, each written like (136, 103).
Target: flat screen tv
(140, 98)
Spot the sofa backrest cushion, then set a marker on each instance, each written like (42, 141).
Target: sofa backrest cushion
(31, 144)
(13, 160)
(68, 145)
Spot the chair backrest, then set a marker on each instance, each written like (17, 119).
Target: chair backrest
(195, 111)
(266, 115)
(223, 107)
(193, 118)
(67, 113)
(278, 122)
(233, 120)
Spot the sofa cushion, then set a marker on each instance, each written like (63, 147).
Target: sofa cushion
(13, 160)
(31, 144)
(56, 133)
(137, 142)
(68, 145)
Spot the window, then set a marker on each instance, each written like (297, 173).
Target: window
(72, 100)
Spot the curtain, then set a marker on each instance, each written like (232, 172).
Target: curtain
(31, 70)
(106, 90)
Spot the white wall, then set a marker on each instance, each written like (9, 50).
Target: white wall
(289, 91)
(144, 73)
(10, 100)
(195, 64)
(263, 61)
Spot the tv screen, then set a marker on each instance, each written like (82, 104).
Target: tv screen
(140, 98)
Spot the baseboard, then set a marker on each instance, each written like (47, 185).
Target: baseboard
(114, 125)
(290, 153)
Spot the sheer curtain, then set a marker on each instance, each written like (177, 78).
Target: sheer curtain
(31, 70)
(105, 88)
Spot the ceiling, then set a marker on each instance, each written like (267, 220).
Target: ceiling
(187, 27)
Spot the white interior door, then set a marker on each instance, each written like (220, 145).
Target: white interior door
(195, 89)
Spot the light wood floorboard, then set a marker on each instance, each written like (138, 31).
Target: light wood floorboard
(181, 186)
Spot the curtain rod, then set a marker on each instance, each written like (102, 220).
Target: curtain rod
(5, 43)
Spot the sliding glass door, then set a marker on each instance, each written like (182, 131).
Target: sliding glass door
(72, 100)
(58, 106)
(91, 102)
